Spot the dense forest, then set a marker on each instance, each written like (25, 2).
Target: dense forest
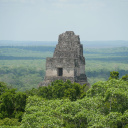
(63, 104)
(67, 105)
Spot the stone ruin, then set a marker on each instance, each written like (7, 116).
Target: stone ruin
(68, 62)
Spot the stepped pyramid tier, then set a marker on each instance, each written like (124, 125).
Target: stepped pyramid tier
(68, 62)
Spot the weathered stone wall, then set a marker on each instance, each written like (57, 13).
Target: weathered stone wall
(60, 62)
(68, 56)
(66, 72)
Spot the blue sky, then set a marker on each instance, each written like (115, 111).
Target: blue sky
(44, 20)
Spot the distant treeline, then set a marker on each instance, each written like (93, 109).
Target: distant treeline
(20, 58)
(88, 44)
(32, 48)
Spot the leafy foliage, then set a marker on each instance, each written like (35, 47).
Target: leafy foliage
(12, 106)
(125, 77)
(3, 87)
(67, 105)
(9, 122)
(61, 90)
(114, 75)
(105, 105)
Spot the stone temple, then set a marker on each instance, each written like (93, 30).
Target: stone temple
(68, 62)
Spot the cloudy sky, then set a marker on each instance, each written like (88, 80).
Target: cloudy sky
(44, 20)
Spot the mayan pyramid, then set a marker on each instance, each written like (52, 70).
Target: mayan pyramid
(68, 62)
